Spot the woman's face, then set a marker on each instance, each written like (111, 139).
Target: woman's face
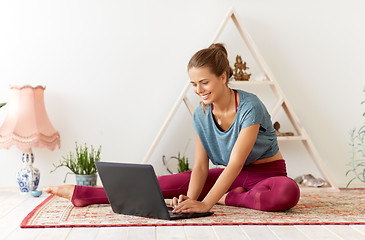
(206, 84)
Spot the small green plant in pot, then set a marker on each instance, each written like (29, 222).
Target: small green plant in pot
(82, 164)
(183, 163)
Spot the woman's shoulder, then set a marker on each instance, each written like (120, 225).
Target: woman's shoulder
(201, 117)
(244, 93)
(200, 112)
(247, 98)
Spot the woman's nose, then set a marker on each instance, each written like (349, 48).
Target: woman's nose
(199, 89)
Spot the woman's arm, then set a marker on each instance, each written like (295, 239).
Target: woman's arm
(242, 148)
(198, 175)
(200, 170)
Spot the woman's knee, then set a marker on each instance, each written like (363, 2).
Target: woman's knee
(175, 184)
(282, 194)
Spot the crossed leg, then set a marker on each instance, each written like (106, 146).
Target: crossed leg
(262, 187)
(272, 194)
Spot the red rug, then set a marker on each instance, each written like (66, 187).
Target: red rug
(344, 207)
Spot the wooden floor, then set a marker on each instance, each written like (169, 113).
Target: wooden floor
(14, 206)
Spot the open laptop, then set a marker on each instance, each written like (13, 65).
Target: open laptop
(133, 189)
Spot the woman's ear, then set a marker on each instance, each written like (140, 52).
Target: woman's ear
(223, 77)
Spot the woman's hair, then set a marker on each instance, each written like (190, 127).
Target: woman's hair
(215, 57)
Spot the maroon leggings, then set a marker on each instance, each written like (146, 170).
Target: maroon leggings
(264, 187)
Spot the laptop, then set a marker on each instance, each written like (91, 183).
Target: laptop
(133, 189)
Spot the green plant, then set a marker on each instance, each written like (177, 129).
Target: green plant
(183, 163)
(357, 153)
(82, 163)
(2, 105)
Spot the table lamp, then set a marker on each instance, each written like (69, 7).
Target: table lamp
(27, 126)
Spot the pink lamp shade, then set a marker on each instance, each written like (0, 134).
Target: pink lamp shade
(27, 124)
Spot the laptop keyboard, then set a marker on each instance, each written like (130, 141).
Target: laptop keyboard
(175, 216)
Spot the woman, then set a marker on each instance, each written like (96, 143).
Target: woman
(233, 128)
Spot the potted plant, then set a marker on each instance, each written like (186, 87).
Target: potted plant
(82, 164)
(357, 145)
(183, 163)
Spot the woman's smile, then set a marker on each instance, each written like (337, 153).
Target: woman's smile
(205, 96)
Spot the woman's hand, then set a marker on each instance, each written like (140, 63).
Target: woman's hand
(176, 201)
(191, 206)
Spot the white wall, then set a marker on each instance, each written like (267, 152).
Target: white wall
(113, 70)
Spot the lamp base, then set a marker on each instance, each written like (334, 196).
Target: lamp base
(28, 176)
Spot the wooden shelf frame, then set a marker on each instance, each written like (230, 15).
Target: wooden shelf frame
(301, 134)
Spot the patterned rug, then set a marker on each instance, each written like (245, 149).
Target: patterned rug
(344, 207)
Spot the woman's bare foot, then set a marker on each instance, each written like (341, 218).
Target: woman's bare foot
(65, 191)
(222, 201)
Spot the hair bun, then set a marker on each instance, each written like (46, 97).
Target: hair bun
(218, 47)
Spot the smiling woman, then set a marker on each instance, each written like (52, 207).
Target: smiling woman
(234, 129)
(207, 66)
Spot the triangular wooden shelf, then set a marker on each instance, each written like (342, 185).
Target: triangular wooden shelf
(301, 134)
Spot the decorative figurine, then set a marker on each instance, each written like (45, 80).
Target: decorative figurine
(277, 127)
(240, 73)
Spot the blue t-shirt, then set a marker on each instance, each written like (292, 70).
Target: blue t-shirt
(219, 144)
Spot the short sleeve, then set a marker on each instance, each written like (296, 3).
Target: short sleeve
(253, 112)
(197, 119)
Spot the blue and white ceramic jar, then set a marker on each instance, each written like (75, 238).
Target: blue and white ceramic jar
(28, 176)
